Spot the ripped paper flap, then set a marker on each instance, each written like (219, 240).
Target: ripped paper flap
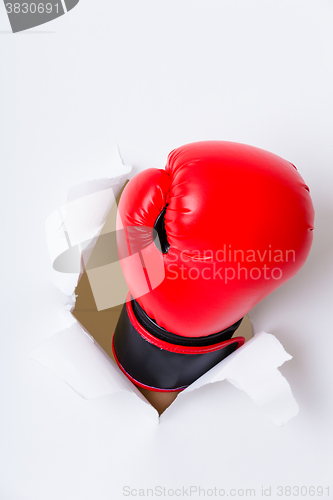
(253, 368)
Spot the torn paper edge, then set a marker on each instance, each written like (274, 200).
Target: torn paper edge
(253, 368)
(75, 357)
(78, 360)
(73, 229)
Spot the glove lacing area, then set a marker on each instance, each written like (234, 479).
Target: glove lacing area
(159, 233)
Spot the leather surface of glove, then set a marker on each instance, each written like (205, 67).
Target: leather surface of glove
(234, 223)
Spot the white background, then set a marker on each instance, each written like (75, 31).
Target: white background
(155, 75)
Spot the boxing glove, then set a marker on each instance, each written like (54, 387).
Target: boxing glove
(200, 243)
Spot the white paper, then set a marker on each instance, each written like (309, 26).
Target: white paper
(253, 368)
(73, 229)
(75, 357)
(78, 360)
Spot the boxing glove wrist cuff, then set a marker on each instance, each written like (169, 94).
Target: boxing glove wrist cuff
(158, 360)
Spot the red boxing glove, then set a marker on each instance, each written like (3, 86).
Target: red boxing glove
(234, 222)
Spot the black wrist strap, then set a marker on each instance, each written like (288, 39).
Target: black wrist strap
(158, 360)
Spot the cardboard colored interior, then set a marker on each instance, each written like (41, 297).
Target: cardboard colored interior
(93, 288)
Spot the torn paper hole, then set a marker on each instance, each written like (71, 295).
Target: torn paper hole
(81, 239)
